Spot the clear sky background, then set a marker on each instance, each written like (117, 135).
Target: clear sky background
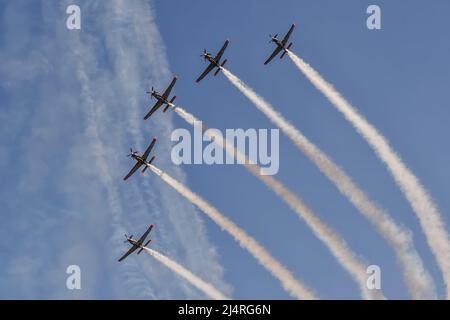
(71, 105)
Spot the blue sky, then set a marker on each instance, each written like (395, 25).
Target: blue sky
(65, 205)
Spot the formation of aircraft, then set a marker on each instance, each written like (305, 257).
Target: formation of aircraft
(281, 45)
(141, 160)
(214, 62)
(136, 244)
(163, 99)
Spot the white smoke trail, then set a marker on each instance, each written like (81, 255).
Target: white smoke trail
(288, 282)
(203, 286)
(419, 199)
(335, 243)
(419, 282)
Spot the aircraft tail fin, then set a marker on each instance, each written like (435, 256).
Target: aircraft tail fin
(218, 69)
(150, 162)
(142, 248)
(290, 44)
(168, 105)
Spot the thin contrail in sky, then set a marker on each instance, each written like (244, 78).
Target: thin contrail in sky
(203, 286)
(429, 216)
(419, 282)
(334, 242)
(100, 161)
(287, 280)
(134, 34)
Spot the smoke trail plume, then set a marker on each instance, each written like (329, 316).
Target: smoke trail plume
(288, 282)
(203, 286)
(334, 243)
(419, 282)
(430, 219)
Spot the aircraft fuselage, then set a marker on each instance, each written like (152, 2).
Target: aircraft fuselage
(278, 43)
(139, 159)
(159, 97)
(212, 60)
(132, 241)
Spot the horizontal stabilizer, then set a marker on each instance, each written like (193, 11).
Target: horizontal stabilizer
(151, 160)
(169, 104)
(223, 63)
(221, 66)
(285, 50)
(142, 248)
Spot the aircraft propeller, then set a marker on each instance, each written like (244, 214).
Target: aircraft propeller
(151, 93)
(132, 152)
(204, 54)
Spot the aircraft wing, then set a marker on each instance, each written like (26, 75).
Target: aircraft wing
(130, 251)
(158, 104)
(169, 88)
(286, 37)
(142, 238)
(220, 53)
(207, 70)
(275, 52)
(133, 170)
(149, 149)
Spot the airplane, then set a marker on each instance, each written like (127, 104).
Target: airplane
(137, 244)
(141, 160)
(161, 99)
(281, 45)
(214, 62)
